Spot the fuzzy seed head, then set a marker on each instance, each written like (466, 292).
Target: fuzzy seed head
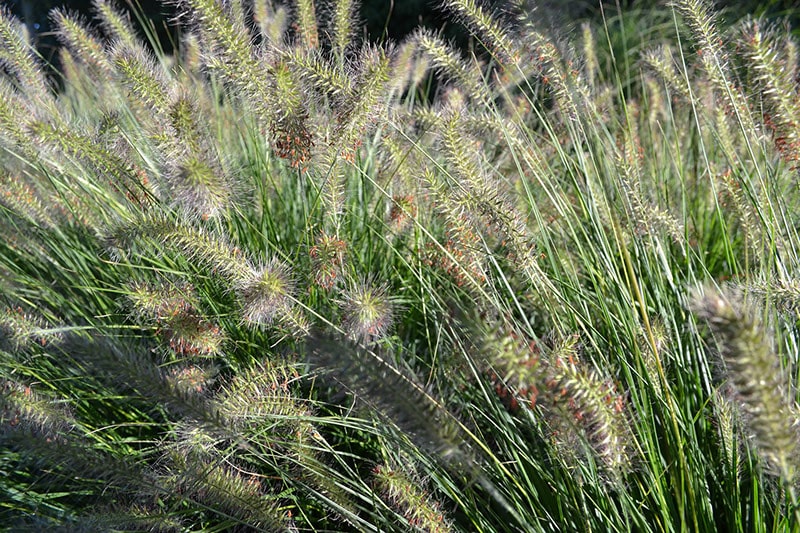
(199, 188)
(116, 24)
(410, 499)
(178, 322)
(368, 312)
(327, 258)
(266, 293)
(261, 394)
(21, 407)
(19, 329)
(192, 378)
(402, 213)
(590, 405)
(755, 374)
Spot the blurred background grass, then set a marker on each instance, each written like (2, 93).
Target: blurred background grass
(390, 19)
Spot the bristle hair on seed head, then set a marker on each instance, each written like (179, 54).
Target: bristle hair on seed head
(484, 24)
(343, 22)
(266, 292)
(115, 23)
(306, 23)
(368, 312)
(81, 39)
(761, 387)
(18, 56)
(139, 71)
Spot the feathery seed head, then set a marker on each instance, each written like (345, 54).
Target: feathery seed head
(343, 24)
(190, 335)
(295, 323)
(271, 21)
(726, 421)
(195, 469)
(159, 302)
(194, 173)
(80, 39)
(19, 58)
(262, 394)
(293, 140)
(266, 293)
(191, 378)
(117, 25)
(360, 111)
(368, 312)
(305, 24)
(226, 48)
(199, 188)
(410, 499)
(172, 309)
(409, 66)
(702, 22)
(191, 53)
(23, 200)
(327, 260)
(192, 442)
(590, 405)
(23, 408)
(517, 372)
(784, 294)
(142, 76)
(590, 53)
(19, 329)
(754, 370)
(493, 34)
(15, 114)
(773, 71)
(197, 244)
(316, 71)
(185, 119)
(442, 55)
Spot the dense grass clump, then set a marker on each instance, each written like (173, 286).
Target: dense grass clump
(263, 285)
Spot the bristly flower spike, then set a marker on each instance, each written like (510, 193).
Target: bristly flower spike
(266, 293)
(19, 57)
(115, 24)
(495, 37)
(306, 23)
(344, 13)
(755, 374)
(368, 312)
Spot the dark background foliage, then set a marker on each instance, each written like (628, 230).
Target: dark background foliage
(384, 19)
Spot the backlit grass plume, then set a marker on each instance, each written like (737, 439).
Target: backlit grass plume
(368, 312)
(443, 57)
(343, 20)
(774, 69)
(306, 21)
(759, 383)
(400, 491)
(80, 41)
(19, 58)
(174, 313)
(715, 59)
(266, 293)
(115, 23)
(495, 37)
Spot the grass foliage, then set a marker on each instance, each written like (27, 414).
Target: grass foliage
(265, 284)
